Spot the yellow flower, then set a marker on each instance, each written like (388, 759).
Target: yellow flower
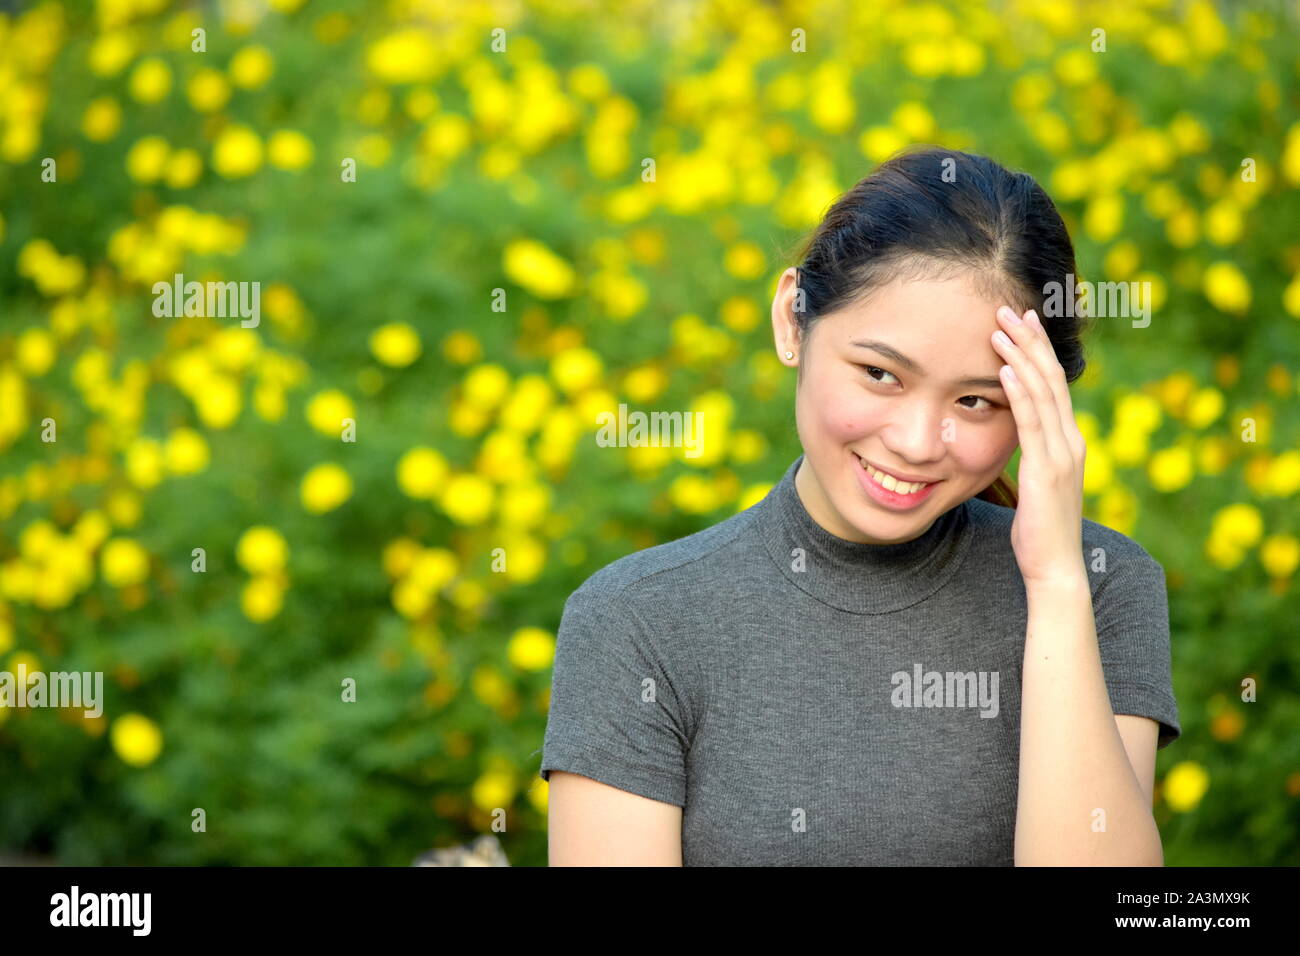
(1212, 455)
(1185, 784)
(525, 559)
(531, 649)
(144, 463)
(1240, 525)
(503, 457)
(1283, 477)
(576, 369)
(1291, 297)
(486, 385)
(1117, 509)
(752, 495)
(1280, 553)
(237, 153)
(466, 419)
(218, 401)
(325, 487)
(409, 600)
(123, 507)
(494, 789)
(524, 504)
(1205, 407)
(35, 352)
(261, 599)
(91, 529)
(693, 494)
(1076, 67)
(110, 52)
(1170, 469)
(1223, 222)
(326, 412)
(251, 67)
(137, 739)
(123, 563)
(467, 499)
(399, 554)
(262, 550)
(878, 143)
(432, 569)
(1226, 287)
(102, 119)
(1104, 217)
(527, 405)
(539, 270)
(461, 348)
(407, 56)
(421, 473)
(183, 169)
(208, 90)
(396, 344)
(1138, 411)
(147, 158)
(151, 80)
(289, 149)
(745, 260)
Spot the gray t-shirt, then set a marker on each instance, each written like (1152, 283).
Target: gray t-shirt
(774, 681)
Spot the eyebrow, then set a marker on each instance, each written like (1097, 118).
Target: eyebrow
(892, 353)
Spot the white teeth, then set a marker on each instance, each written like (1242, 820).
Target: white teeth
(892, 484)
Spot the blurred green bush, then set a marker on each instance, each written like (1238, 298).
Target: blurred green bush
(460, 250)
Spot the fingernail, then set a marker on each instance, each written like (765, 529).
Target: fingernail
(1033, 318)
(1010, 315)
(1010, 373)
(1002, 337)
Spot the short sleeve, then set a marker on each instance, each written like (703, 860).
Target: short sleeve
(619, 709)
(1131, 611)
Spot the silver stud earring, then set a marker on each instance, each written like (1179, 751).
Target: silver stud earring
(789, 355)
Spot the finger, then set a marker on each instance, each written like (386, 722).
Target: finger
(1029, 337)
(1040, 348)
(1038, 414)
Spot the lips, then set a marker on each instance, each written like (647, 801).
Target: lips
(892, 500)
(902, 486)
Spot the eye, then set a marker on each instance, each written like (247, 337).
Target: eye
(987, 407)
(979, 398)
(871, 368)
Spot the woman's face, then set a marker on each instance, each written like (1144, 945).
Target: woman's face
(885, 383)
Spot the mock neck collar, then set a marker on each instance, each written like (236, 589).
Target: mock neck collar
(853, 576)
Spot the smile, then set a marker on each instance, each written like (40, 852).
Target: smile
(890, 483)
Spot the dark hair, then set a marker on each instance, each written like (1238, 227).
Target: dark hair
(934, 213)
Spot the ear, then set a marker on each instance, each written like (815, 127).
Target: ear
(785, 331)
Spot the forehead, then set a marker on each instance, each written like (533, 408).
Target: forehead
(922, 308)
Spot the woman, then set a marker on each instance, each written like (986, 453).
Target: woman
(896, 657)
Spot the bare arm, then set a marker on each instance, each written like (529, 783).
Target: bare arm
(1076, 756)
(593, 824)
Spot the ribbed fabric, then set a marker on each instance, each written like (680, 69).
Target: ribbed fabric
(835, 571)
(768, 702)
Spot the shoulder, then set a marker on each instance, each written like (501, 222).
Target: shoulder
(692, 564)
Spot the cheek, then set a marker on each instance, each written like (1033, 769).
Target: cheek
(983, 449)
(847, 421)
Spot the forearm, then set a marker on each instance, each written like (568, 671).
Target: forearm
(1072, 758)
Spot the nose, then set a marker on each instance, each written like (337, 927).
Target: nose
(918, 434)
